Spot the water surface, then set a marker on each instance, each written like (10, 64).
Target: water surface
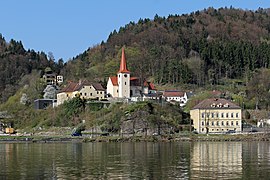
(144, 160)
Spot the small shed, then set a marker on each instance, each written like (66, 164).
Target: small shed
(44, 103)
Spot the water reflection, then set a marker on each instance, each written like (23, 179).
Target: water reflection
(213, 160)
(181, 160)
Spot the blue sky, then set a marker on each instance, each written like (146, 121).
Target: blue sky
(68, 27)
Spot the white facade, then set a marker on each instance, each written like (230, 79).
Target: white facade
(112, 90)
(124, 85)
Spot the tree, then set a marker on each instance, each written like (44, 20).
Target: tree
(259, 88)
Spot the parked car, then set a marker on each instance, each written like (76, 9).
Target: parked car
(76, 134)
(253, 130)
(230, 132)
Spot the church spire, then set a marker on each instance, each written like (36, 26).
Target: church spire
(123, 64)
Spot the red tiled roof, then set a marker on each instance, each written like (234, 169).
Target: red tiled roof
(114, 80)
(98, 86)
(134, 81)
(123, 64)
(173, 94)
(72, 86)
(152, 86)
(216, 103)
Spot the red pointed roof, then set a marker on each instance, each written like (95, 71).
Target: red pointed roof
(123, 64)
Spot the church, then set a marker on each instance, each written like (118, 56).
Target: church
(125, 86)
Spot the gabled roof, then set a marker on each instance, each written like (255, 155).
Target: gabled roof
(173, 93)
(72, 86)
(123, 63)
(216, 103)
(134, 81)
(114, 80)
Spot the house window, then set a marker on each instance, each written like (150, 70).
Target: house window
(81, 94)
(217, 114)
(227, 115)
(222, 123)
(222, 115)
(202, 123)
(85, 94)
(217, 123)
(227, 123)
(202, 129)
(212, 115)
(97, 92)
(213, 123)
(91, 94)
(236, 115)
(231, 115)
(207, 115)
(236, 123)
(232, 123)
(202, 115)
(67, 95)
(101, 92)
(207, 123)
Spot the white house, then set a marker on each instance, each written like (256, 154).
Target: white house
(177, 96)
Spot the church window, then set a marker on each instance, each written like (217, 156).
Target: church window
(125, 75)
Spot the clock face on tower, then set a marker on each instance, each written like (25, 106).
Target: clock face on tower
(125, 75)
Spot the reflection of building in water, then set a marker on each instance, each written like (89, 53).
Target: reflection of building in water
(214, 159)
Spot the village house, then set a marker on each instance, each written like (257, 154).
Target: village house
(175, 96)
(125, 86)
(85, 89)
(50, 78)
(216, 116)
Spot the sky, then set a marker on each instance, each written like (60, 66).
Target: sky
(69, 27)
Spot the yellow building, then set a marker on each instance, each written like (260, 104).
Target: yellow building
(216, 116)
(85, 89)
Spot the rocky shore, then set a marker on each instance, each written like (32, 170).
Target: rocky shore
(116, 138)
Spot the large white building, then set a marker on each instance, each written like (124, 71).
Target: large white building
(125, 86)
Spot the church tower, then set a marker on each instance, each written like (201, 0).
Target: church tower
(123, 77)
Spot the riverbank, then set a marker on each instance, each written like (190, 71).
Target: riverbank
(117, 138)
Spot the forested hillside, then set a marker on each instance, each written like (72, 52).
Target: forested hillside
(202, 48)
(16, 62)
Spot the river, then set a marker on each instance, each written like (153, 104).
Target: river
(140, 160)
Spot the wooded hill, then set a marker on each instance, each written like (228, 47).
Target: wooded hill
(16, 62)
(202, 48)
